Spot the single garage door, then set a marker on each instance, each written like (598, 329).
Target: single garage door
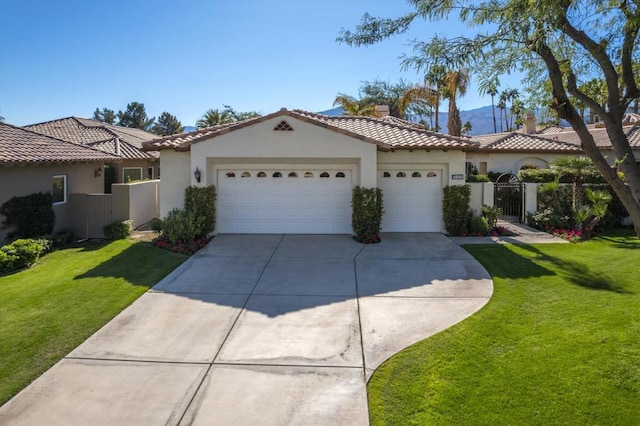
(412, 200)
(294, 201)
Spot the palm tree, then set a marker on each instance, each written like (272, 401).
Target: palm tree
(502, 106)
(576, 166)
(353, 106)
(489, 86)
(456, 83)
(424, 99)
(213, 117)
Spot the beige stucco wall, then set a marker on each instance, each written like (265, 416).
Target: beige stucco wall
(25, 180)
(176, 176)
(450, 162)
(306, 144)
(137, 201)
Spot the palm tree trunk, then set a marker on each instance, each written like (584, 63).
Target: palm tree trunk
(493, 110)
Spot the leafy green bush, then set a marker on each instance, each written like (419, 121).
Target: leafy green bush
(30, 215)
(493, 176)
(564, 176)
(201, 202)
(478, 225)
(21, 254)
(62, 238)
(118, 230)
(182, 226)
(156, 225)
(491, 213)
(455, 209)
(478, 178)
(366, 216)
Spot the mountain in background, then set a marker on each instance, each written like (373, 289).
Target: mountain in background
(481, 119)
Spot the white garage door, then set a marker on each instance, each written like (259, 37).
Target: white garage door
(294, 201)
(412, 200)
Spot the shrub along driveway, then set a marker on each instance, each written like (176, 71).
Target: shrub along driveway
(262, 329)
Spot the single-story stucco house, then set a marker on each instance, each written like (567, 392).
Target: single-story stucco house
(123, 142)
(31, 162)
(511, 151)
(293, 171)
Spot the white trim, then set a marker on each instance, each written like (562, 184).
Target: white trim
(64, 189)
(132, 168)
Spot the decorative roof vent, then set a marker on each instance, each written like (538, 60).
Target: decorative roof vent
(283, 126)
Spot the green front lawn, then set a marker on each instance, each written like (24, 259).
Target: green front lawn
(48, 310)
(558, 344)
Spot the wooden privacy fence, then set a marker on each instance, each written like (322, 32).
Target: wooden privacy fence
(89, 213)
(136, 201)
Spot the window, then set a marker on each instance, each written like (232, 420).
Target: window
(324, 175)
(149, 172)
(386, 174)
(262, 174)
(59, 189)
(230, 175)
(283, 126)
(130, 174)
(245, 174)
(431, 174)
(339, 175)
(416, 174)
(401, 174)
(277, 174)
(308, 175)
(293, 174)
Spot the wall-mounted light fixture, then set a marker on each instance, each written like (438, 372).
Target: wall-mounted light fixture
(197, 174)
(98, 172)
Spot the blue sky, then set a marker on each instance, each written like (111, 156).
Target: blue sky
(64, 57)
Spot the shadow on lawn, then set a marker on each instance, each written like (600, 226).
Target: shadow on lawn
(135, 264)
(579, 273)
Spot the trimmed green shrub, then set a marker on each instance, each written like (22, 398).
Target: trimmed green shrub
(478, 225)
(366, 216)
(200, 202)
(549, 175)
(478, 178)
(30, 215)
(62, 238)
(182, 226)
(156, 225)
(455, 209)
(493, 176)
(118, 230)
(21, 254)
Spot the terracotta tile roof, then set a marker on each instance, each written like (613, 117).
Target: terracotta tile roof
(387, 133)
(21, 146)
(99, 135)
(522, 142)
(600, 137)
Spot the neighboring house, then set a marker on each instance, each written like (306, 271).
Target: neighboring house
(122, 142)
(294, 171)
(511, 151)
(31, 162)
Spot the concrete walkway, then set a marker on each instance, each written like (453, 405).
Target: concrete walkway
(261, 329)
(523, 234)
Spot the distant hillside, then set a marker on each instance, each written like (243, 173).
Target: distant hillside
(481, 119)
(189, 129)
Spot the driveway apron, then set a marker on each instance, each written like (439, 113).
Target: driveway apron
(261, 329)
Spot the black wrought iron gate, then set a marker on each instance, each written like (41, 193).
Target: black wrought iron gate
(509, 197)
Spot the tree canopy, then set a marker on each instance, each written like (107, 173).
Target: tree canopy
(167, 124)
(214, 117)
(569, 41)
(135, 116)
(105, 115)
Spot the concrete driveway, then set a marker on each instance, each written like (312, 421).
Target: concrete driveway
(261, 329)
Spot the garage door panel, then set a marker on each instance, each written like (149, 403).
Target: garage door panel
(284, 205)
(411, 204)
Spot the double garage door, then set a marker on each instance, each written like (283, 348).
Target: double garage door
(294, 201)
(318, 201)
